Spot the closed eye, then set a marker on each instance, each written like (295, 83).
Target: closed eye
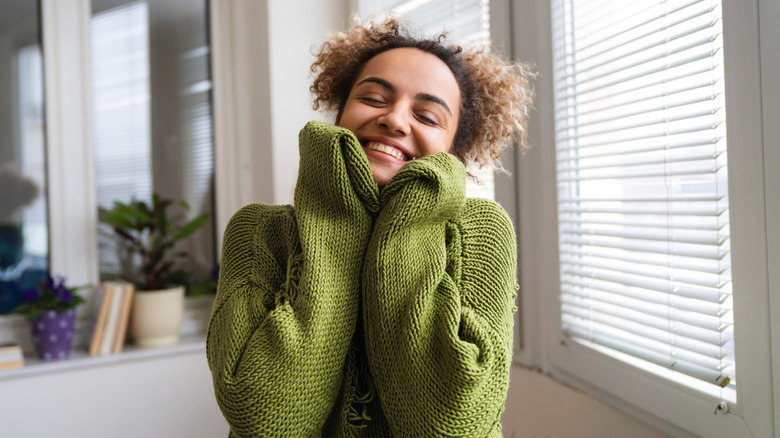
(427, 120)
(371, 100)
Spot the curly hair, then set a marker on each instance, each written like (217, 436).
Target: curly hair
(496, 95)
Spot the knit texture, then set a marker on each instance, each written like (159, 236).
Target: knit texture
(360, 314)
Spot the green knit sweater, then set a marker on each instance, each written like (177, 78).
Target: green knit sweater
(365, 313)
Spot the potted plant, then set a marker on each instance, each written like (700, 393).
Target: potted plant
(50, 310)
(149, 235)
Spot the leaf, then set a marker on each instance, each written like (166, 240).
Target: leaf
(191, 227)
(184, 204)
(143, 207)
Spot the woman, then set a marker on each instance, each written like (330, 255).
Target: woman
(381, 303)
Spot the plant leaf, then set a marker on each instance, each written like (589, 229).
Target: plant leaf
(191, 227)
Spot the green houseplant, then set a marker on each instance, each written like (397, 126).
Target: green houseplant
(149, 235)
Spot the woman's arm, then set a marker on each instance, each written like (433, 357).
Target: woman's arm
(288, 294)
(438, 290)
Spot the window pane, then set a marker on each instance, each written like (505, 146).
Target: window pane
(24, 236)
(642, 185)
(152, 117)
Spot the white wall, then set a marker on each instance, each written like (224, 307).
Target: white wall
(261, 60)
(154, 398)
(293, 32)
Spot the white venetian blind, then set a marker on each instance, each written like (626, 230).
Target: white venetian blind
(120, 113)
(121, 104)
(642, 184)
(467, 22)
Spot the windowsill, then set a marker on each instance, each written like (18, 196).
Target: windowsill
(80, 360)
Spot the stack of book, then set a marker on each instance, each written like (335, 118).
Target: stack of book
(11, 356)
(113, 304)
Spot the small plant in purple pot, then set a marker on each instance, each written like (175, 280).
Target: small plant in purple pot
(51, 311)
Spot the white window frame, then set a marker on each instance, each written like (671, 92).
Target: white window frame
(753, 154)
(72, 198)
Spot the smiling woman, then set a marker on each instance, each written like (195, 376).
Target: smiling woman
(381, 303)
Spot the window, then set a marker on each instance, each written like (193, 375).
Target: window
(643, 217)
(24, 234)
(575, 228)
(152, 121)
(467, 21)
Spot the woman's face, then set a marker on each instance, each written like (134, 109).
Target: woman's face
(405, 104)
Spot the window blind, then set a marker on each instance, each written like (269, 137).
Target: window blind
(121, 114)
(197, 126)
(640, 130)
(121, 104)
(467, 22)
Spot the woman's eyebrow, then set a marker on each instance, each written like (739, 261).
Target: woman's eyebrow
(420, 96)
(435, 99)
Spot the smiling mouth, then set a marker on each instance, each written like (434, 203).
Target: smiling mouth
(389, 150)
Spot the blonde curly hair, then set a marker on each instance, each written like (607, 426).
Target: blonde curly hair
(496, 95)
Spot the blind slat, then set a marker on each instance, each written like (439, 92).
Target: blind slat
(656, 120)
(648, 283)
(670, 79)
(635, 347)
(620, 112)
(656, 67)
(670, 210)
(693, 350)
(664, 272)
(618, 255)
(661, 322)
(698, 169)
(673, 248)
(643, 48)
(687, 236)
(626, 160)
(685, 310)
(657, 20)
(704, 127)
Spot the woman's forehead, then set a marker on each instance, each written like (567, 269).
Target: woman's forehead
(415, 71)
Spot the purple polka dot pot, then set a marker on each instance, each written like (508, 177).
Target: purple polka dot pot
(52, 334)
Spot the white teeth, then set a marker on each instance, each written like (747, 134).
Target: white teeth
(389, 150)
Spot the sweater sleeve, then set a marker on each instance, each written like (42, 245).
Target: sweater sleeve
(288, 294)
(438, 288)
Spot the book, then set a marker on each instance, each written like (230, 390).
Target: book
(11, 364)
(124, 317)
(103, 303)
(107, 342)
(11, 356)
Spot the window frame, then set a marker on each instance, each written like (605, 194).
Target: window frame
(670, 407)
(73, 247)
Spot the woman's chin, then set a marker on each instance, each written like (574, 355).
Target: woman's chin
(382, 172)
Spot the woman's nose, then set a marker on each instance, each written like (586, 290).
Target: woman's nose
(395, 120)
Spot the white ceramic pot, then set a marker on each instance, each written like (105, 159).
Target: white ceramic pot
(156, 317)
